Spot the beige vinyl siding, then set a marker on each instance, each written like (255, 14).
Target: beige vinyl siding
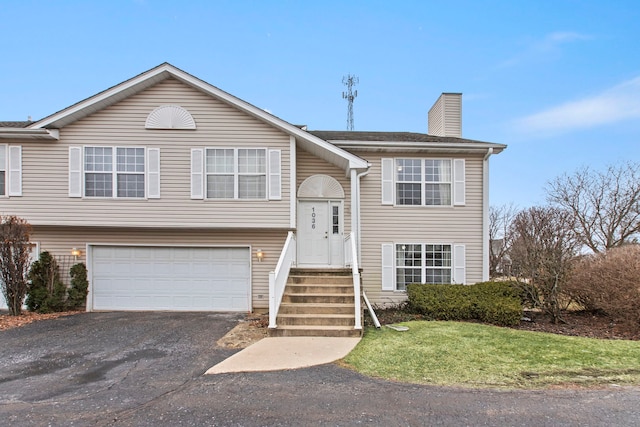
(60, 240)
(45, 198)
(417, 224)
(445, 117)
(309, 165)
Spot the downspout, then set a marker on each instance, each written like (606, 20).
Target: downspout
(358, 239)
(485, 215)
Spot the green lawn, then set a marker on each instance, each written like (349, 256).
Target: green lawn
(474, 355)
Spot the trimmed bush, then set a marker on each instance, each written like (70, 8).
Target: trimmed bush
(77, 294)
(491, 302)
(46, 291)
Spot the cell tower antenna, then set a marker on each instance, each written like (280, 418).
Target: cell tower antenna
(350, 81)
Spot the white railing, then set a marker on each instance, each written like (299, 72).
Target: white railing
(351, 259)
(278, 277)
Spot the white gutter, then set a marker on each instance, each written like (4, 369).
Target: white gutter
(485, 215)
(358, 238)
(356, 227)
(26, 133)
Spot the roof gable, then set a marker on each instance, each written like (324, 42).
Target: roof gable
(106, 98)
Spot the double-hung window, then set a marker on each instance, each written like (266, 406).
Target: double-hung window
(423, 182)
(423, 263)
(119, 171)
(236, 173)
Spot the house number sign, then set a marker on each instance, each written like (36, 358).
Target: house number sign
(313, 218)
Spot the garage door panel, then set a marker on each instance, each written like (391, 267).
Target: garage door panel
(165, 278)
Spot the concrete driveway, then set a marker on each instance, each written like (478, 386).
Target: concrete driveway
(145, 369)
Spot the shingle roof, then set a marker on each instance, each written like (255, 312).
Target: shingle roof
(15, 124)
(332, 135)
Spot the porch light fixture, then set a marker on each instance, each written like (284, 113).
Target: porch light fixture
(259, 255)
(75, 252)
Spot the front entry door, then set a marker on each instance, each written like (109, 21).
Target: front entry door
(320, 233)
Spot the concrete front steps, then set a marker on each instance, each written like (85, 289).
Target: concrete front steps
(317, 302)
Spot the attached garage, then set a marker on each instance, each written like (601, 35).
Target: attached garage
(169, 278)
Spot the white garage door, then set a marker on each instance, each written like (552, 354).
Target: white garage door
(170, 278)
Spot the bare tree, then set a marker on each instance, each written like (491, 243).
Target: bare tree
(606, 205)
(14, 261)
(500, 238)
(543, 249)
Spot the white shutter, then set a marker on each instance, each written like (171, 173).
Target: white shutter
(153, 173)
(459, 269)
(275, 175)
(388, 276)
(15, 170)
(75, 171)
(458, 182)
(3, 166)
(387, 181)
(197, 173)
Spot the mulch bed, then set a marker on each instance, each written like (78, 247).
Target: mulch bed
(576, 323)
(581, 324)
(8, 322)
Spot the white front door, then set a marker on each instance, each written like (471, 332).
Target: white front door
(320, 233)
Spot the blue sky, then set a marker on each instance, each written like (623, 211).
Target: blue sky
(558, 81)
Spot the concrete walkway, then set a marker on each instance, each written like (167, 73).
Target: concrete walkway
(283, 353)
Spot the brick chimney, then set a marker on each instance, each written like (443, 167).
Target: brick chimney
(445, 117)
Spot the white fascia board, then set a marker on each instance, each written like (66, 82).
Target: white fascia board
(397, 146)
(92, 104)
(26, 133)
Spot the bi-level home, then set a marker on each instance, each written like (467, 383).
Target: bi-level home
(180, 196)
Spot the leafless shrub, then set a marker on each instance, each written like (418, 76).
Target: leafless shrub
(14, 261)
(609, 283)
(542, 253)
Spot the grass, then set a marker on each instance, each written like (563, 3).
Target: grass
(475, 355)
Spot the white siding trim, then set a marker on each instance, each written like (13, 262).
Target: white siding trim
(153, 173)
(197, 173)
(15, 171)
(387, 181)
(75, 171)
(388, 269)
(459, 264)
(275, 175)
(459, 197)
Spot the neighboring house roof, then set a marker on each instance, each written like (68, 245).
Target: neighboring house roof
(404, 141)
(15, 124)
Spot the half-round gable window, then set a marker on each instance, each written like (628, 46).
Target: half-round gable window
(170, 117)
(321, 187)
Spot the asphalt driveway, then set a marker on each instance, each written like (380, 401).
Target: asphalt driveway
(145, 369)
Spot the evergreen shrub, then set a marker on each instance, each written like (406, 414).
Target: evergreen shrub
(490, 302)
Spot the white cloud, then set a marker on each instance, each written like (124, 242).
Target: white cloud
(549, 46)
(621, 102)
